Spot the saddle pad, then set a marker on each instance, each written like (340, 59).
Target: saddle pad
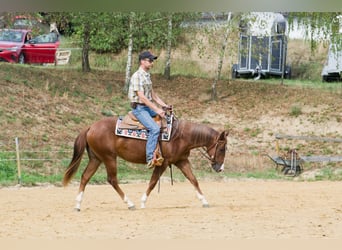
(143, 133)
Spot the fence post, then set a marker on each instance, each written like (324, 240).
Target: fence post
(18, 159)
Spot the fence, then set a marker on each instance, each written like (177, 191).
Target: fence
(33, 155)
(62, 57)
(292, 160)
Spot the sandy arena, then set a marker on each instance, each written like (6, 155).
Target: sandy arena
(239, 209)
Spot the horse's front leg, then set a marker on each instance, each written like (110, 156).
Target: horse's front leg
(185, 167)
(157, 172)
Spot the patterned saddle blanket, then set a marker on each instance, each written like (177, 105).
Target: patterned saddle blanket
(129, 126)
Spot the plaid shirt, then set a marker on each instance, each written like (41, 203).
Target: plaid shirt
(140, 81)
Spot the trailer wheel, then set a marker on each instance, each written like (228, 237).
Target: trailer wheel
(287, 73)
(234, 71)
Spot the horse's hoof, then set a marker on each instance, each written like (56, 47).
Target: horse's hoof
(77, 209)
(205, 205)
(131, 207)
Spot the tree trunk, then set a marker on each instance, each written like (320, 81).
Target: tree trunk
(129, 53)
(86, 47)
(167, 72)
(219, 67)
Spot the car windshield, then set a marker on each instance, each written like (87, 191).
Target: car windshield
(22, 22)
(11, 36)
(46, 38)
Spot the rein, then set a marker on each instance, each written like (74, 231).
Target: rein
(204, 151)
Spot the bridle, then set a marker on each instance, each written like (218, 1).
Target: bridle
(205, 153)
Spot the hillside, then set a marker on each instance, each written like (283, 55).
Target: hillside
(54, 104)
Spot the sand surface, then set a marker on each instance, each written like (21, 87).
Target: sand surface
(239, 209)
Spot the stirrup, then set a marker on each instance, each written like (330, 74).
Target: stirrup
(158, 159)
(150, 164)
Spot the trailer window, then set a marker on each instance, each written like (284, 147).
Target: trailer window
(280, 27)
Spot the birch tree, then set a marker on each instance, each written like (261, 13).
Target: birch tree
(319, 26)
(167, 71)
(130, 50)
(220, 61)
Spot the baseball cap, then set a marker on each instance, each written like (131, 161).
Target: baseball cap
(147, 55)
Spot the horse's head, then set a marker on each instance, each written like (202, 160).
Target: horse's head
(217, 152)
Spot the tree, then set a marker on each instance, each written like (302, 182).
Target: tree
(221, 55)
(156, 30)
(167, 71)
(129, 53)
(319, 26)
(100, 32)
(86, 46)
(113, 32)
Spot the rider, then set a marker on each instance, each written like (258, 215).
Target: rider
(144, 104)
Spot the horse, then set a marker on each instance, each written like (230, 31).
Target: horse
(104, 146)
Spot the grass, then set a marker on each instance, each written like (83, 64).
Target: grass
(295, 111)
(36, 173)
(52, 171)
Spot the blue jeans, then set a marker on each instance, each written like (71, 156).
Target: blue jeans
(144, 114)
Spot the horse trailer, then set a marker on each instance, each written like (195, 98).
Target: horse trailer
(262, 46)
(332, 70)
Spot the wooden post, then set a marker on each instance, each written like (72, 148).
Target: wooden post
(277, 147)
(18, 159)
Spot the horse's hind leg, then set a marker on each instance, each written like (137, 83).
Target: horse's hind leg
(113, 180)
(88, 172)
(157, 172)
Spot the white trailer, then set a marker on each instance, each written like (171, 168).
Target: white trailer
(332, 70)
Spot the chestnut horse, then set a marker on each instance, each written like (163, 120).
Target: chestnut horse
(104, 146)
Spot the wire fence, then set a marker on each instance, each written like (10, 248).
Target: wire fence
(32, 156)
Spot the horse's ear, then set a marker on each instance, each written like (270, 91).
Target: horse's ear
(223, 135)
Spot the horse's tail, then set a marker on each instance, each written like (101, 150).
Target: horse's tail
(79, 147)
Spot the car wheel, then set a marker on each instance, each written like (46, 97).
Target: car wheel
(21, 59)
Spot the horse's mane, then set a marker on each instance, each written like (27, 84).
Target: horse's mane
(199, 133)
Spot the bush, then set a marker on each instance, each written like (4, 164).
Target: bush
(7, 167)
(295, 111)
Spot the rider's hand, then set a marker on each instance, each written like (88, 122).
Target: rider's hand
(167, 107)
(161, 113)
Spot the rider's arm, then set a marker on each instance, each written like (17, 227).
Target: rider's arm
(156, 98)
(150, 104)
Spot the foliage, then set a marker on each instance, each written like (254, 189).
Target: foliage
(109, 30)
(37, 23)
(7, 167)
(319, 26)
(295, 110)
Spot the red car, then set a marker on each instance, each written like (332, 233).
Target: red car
(18, 46)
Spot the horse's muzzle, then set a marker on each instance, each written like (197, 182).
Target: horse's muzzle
(218, 167)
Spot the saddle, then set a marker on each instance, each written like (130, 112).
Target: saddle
(129, 126)
(129, 121)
